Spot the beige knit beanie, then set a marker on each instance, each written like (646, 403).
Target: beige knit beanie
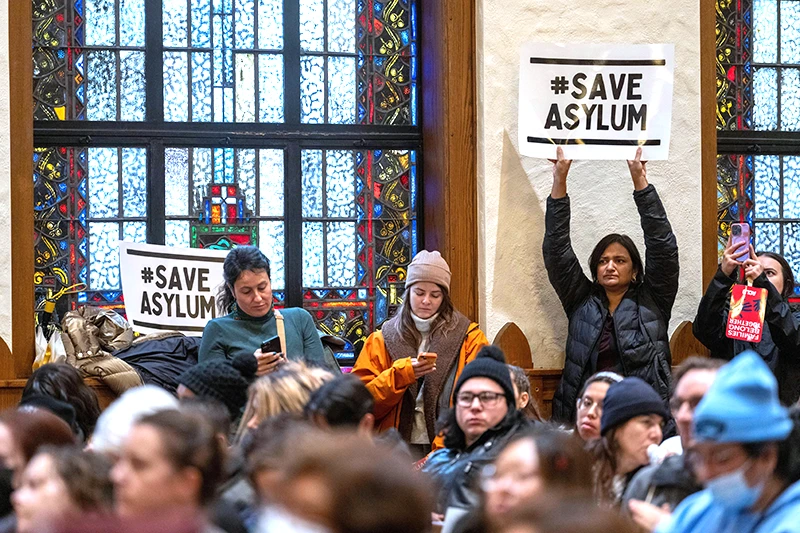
(429, 266)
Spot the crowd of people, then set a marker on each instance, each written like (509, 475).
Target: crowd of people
(432, 429)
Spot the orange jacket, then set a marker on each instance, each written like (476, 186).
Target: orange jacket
(388, 380)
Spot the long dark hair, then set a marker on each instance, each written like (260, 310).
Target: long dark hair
(445, 319)
(786, 270)
(605, 451)
(63, 382)
(627, 243)
(237, 261)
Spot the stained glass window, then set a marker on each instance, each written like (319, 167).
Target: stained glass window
(231, 110)
(758, 117)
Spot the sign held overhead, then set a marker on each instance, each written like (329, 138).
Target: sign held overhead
(597, 101)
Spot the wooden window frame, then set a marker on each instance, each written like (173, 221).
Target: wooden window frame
(450, 214)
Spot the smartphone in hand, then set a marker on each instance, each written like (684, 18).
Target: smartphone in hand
(272, 344)
(740, 237)
(427, 357)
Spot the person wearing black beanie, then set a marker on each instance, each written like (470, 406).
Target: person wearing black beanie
(633, 414)
(484, 418)
(223, 380)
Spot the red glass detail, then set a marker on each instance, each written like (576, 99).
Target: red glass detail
(240, 239)
(216, 190)
(404, 180)
(231, 191)
(231, 214)
(63, 208)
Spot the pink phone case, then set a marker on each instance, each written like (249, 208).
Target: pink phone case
(740, 235)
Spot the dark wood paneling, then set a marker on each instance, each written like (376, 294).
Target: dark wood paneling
(450, 203)
(708, 136)
(21, 165)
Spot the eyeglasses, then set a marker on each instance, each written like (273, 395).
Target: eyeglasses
(676, 403)
(587, 403)
(486, 398)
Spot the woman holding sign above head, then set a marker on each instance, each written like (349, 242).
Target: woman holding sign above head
(253, 326)
(617, 320)
(780, 336)
(412, 364)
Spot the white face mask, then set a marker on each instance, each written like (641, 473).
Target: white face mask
(279, 520)
(732, 491)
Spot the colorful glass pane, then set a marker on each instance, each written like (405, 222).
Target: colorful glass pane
(359, 235)
(85, 200)
(387, 62)
(226, 77)
(734, 69)
(80, 71)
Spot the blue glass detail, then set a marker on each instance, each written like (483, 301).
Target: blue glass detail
(414, 244)
(82, 297)
(413, 21)
(413, 103)
(377, 210)
(378, 7)
(62, 187)
(404, 36)
(79, 7)
(62, 245)
(362, 294)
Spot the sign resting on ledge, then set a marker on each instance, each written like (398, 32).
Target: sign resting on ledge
(170, 289)
(598, 101)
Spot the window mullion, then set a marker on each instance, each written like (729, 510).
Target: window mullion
(293, 202)
(155, 192)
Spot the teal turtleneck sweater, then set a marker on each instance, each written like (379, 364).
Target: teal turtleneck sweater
(238, 333)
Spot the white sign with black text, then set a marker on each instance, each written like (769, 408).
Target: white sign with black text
(598, 101)
(170, 289)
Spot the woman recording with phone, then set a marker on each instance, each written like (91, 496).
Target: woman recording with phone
(618, 320)
(246, 296)
(411, 365)
(780, 338)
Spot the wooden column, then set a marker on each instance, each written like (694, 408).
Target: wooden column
(21, 165)
(708, 135)
(449, 160)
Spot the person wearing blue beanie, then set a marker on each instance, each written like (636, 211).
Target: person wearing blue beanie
(746, 453)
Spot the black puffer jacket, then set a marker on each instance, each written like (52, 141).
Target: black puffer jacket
(780, 339)
(641, 320)
(455, 471)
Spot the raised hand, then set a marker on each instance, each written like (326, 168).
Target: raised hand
(752, 267)
(560, 171)
(731, 258)
(638, 170)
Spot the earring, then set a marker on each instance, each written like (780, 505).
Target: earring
(633, 278)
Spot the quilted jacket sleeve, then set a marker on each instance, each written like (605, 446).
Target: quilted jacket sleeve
(563, 268)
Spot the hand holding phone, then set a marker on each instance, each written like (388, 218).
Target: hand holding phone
(428, 357)
(424, 364)
(273, 344)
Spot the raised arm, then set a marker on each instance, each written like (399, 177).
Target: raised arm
(562, 265)
(661, 266)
